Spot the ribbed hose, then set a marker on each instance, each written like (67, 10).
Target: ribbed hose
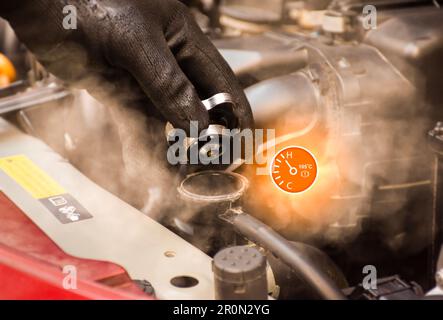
(264, 236)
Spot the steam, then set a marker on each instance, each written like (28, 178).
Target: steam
(126, 154)
(376, 166)
(114, 142)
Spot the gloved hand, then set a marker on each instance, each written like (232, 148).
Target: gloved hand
(137, 49)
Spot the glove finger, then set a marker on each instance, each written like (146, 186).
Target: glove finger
(205, 67)
(157, 72)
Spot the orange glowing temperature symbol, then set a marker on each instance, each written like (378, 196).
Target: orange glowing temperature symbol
(294, 169)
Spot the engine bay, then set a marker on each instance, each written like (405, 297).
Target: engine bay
(363, 97)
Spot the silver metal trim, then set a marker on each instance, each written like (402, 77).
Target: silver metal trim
(216, 100)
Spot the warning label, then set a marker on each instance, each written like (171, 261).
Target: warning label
(66, 208)
(42, 187)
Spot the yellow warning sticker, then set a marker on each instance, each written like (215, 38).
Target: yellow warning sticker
(30, 177)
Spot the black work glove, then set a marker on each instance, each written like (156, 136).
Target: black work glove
(137, 50)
